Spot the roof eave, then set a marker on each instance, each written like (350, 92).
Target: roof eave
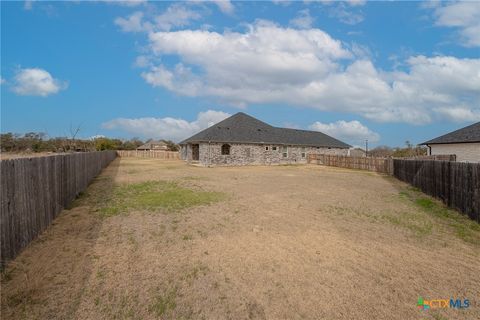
(449, 142)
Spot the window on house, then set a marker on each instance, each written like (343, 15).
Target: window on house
(303, 152)
(225, 149)
(247, 152)
(274, 148)
(285, 151)
(267, 148)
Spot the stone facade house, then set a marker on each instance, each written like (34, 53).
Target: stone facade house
(244, 140)
(464, 143)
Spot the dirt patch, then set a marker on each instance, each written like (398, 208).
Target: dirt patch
(286, 242)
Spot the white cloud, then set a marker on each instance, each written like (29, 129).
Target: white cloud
(174, 16)
(134, 23)
(225, 6)
(272, 64)
(166, 128)
(459, 114)
(346, 15)
(303, 20)
(36, 82)
(351, 131)
(142, 62)
(465, 16)
(2, 81)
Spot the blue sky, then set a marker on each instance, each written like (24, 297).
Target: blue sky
(383, 71)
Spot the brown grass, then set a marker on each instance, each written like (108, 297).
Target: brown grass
(285, 242)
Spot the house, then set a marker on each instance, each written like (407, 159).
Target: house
(357, 152)
(244, 140)
(154, 145)
(464, 143)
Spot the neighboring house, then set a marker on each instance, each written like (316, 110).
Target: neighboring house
(464, 143)
(244, 140)
(154, 145)
(357, 152)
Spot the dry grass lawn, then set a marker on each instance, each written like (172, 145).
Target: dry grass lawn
(157, 239)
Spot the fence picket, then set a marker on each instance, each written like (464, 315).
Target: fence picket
(35, 190)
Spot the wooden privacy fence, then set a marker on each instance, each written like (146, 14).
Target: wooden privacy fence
(457, 184)
(442, 157)
(157, 154)
(35, 190)
(382, 165)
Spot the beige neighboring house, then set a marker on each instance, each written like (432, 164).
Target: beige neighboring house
(154, 145)
(463, 143)
(357, 152)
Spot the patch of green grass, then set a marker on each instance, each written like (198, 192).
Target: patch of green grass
(413, 222)
(187, 237)
(101, 274)
(425, 203)
(163, 303)
(153, 195)
(463, 227)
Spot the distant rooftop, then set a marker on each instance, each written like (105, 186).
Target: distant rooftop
(153, 145)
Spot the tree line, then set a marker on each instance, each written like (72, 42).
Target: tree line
(40, 142)
(409, 150)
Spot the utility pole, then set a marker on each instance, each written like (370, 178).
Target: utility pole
(366, 147)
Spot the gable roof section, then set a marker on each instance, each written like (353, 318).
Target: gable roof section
(242, 128)
(468, 134)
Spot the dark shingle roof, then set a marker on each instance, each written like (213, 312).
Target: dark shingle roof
(242, 128)
(467, 134)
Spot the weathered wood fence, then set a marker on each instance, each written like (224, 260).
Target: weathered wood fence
(442, 157)
(382, 165)
(157, 154)
(35, 190)
(457, 184)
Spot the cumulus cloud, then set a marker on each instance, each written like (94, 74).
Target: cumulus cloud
(166, 128)
(36, 82)
(273, 64)
(351, 131)
(303, 20)
(465, 16)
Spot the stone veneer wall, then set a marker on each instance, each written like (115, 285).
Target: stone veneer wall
(256, 154)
